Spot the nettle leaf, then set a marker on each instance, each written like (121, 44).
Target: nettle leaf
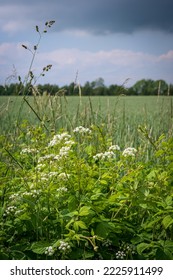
(168, 200)
(79, 224)
(85, 211)
(167, 221)
(39, 247)
(142, 247)
(103, 182)
(104, 228)
(152, 223)
(97, 196)
(72, 203)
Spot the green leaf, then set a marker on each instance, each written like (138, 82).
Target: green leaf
(104, 228)
(39, 247)
(79, 224)
(85, 211)
(97, 196)
(72, 203)
(162, 254)
(142, 247)
(103, 182)
(167, 221)
(151, 224)
(168, 200)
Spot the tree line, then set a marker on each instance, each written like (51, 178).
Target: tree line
(96, 87)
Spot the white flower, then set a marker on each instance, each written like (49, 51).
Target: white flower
(81, 129)
(59, 138)
(105, 155)
(14, 196)
(69, 143)
(49, 251)
(18, 212)
(50, 156)
(63, 189)
(64, 176)
(129, 152)
(10, 209)
(114, 148)
(28, 151)
(64, 151)
(40, 166)
(52, 174)
(120, 255)
(64, 246)
(32, 193)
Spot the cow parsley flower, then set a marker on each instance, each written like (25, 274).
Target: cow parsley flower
(69, 143)
(120, 255)
(129, 152)
(82, 130)
(58, 138)
(105, 155)
(49, 251)
(64, 246)
(64, 176)
(62, 189)
(49, 157)
(10, 210)
(28, 151)
(114, 148)
(64, 151)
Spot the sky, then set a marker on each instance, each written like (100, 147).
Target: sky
(118, 40)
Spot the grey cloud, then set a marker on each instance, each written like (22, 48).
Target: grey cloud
(102, 16)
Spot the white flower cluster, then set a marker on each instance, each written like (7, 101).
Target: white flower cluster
(48, 176)
(69, 142)
(14, 196)
(10, 210)
(64, 246)
(28, 151)
(18, 212)
(49, 251)
(63, 153)
(49, 157)
(129, 152)
(58, 138)
(33, 193)
(40, 166)
(52, 174)
(64, 176)
(128, 248)
(103, 156)
(82, 130)
(111, 153)
(62, 189)
(114, 148)
(120, 255)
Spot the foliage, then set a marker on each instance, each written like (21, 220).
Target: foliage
(77, 191)
(97, 87)
(64, 197)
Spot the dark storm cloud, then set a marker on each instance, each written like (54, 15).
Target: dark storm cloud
(102, 16)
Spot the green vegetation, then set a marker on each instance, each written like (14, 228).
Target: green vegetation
(85, 177)
(97, 87)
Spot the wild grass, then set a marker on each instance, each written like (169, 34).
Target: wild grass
(121, 116)
(85, 177)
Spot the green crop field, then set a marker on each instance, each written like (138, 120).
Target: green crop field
(86, 177)
(120, 114)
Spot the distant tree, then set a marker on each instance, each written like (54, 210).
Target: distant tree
(161, 87)
(87, 89)
(117, 90)
(2, 90)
